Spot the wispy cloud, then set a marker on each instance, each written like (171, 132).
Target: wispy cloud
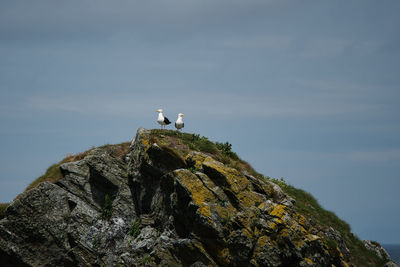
(216, 104)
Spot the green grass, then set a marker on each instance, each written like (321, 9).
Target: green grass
(106, 211)
(3, 207)
(191, 141)
(309, 207)
(134, 229)
(183, 143)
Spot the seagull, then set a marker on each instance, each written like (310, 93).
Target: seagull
(179, 122)
(161, 119)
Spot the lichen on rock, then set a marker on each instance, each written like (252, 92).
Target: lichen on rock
(166, 205)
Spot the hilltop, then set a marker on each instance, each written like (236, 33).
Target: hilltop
(172, 199)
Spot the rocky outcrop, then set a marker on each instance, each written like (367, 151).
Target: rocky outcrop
(380, 252)
(377, 249)
(159, 208)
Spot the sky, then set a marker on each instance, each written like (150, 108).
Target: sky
(305, 90)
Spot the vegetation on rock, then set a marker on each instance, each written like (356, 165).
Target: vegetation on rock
(305, 204)
(172, 199)
(184, 143)
(309, 207)
(134, 229)
(53, 173)
(106, 211)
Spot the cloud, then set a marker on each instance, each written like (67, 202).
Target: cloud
(220, 105)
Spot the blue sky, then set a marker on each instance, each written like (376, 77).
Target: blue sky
(305, 90)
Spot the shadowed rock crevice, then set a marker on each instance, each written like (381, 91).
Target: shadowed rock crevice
(11, 260)
(220, 180)
(100, 187)
(71, 205)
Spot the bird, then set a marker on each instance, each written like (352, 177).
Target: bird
(179, 122)
(161, 119)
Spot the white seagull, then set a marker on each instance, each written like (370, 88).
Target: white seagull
(179, 122)
(161, 119)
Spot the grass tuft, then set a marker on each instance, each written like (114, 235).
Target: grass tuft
(134, 229)
(106, 211)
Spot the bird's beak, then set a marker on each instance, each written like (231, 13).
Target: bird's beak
(183, 114)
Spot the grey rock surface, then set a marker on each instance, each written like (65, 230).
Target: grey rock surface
(377, 249)
(154, 207)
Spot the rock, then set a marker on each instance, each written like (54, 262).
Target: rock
(377, 248)
(158, 206)
(391, 264)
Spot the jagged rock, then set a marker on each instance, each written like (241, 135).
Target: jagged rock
(159, 208)
(377, 248)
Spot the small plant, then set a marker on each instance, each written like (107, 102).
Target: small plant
(134, 229)
(222, 203)
(193, 169)
(96, 242)
(146, 259)
(225, 220)
(106, 211)
(205, 145)
(226, 149)
(281, 182)
(195, 137)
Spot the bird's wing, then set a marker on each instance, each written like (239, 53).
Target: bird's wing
(166, 120)
(183, 125)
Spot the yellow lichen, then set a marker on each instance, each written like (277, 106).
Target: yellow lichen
(145, 140)
(200, 194)
(262, 241)
(279, 211)
(224, 255)
(308, 260)
(197, 158)
(236, 181)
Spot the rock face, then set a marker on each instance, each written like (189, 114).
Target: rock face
(156, 208)
(377, 249)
